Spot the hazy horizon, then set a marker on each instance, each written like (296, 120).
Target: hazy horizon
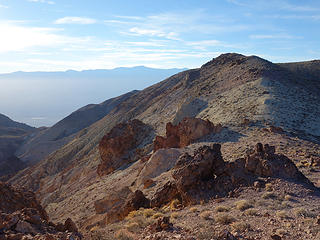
(44, 98)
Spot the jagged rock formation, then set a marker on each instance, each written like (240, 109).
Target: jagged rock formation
(119, 146)
(22, 217)
(205, 174)
(186, 132)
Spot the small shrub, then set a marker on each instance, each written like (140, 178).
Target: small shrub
(281, 232)
(286, 204)
(193, 209)
(222, 209)
(269, 195)
(224, 218)
(134, 214)
(251, 212)
(174, 204)
(243, 205)
(157, 215)
(205, 215)
(240, 226)
(122, 235)
(282, 214)
(269, 187)
(288, 197)
(175, 215)
(148, 212)
(302, 212)
(132, 227)
(205, 234)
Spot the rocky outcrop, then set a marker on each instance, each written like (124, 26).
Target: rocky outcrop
(120, 145)
(22, 217)
(262, 161)
(118, 208)
(113, 200)
(12, 199)
(205, 174)
(186, 132)
(194, 175)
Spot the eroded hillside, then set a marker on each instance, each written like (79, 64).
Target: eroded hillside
(253, 99)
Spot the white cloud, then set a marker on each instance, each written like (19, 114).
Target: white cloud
(75, 20)
(42, 1)
(153, 33)
(3, 6)
(17, 38)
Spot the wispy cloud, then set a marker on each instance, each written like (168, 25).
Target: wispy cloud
(3, 6)
(281, 5)
(153, 33)
(313, 17)
(75, 20)
(273, 36)
(42, 1)
(172, 25)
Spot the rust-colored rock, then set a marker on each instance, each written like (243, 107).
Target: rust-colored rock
(22, 217)
(119, 146)
(194, 175)
(165, 194)
(134, 201)
(186, 132)
(70, 226)
(205, 174)
(12, 199)
(163, 224)
(265, 163)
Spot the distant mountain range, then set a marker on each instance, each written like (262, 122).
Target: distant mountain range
(44, 98)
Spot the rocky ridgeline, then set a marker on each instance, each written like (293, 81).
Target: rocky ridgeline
(22, 217)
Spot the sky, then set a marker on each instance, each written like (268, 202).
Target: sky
(57, 35)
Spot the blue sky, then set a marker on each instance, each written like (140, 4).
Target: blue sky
(52, 35)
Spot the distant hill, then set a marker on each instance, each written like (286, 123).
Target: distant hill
(12, 135)
(37, 146)
(44, 98)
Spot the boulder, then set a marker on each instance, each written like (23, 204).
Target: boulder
(122, 145)
(113, 200)
(70, 226)
(194, 175)
(164, 194)
(187, 131)
(161, 161)
(135, 201)
(265, 163)
(162, 224)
